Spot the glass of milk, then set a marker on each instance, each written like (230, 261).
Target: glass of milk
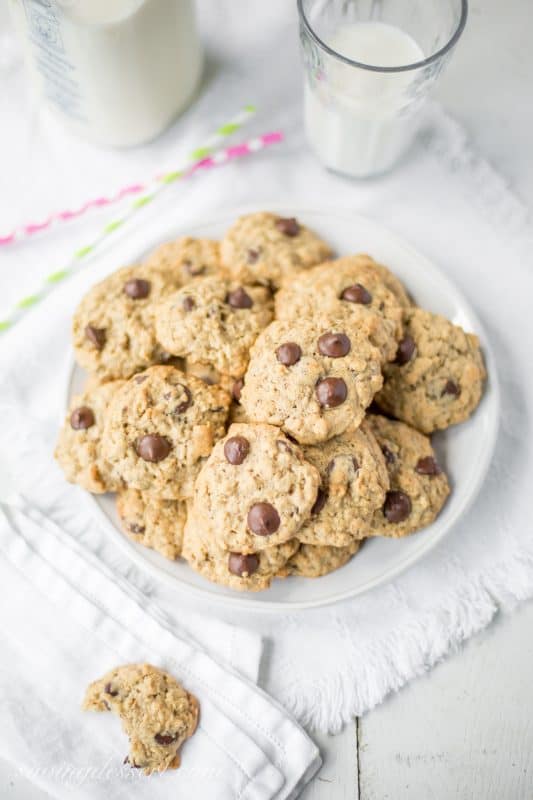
(369, 66)
(116, 72)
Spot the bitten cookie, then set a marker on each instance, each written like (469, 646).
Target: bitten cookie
(354, 481)
(311, 377)
(418, 486)
(114, 326)
(265, 248)
(312, 561)
(252, 572)
(187, 258)
(160, 426)
(255, 490)
(438, 375)
(153, 522)
(156, 712)
(214, 321)
(79, 447)
(353, 284)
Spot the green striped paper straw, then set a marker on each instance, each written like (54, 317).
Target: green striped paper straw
(83, 253)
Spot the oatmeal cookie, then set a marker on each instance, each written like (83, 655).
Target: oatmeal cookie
(156, 712)
(313, 561)
(255, 490)
(160, 427)
(354, 482)
(437, 377)
(265, 248)
(215, 322)
(418, 486)
(79, 447)
(187, 258)
(153, 522)
(114, 326)
(312, 377)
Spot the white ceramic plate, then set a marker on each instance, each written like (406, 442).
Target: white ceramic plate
(465, 449)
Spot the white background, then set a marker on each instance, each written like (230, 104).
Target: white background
(465, 730)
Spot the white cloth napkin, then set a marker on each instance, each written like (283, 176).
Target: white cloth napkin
(324, 665)
(68, 620)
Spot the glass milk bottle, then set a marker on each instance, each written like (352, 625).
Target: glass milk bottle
(369, 65)
(115, 71)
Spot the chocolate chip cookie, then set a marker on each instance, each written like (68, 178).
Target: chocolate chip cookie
(156, 712)
(214, 321)
(354, 481)
(255, 490)
(79, 447)
(160, 426)
(153, 522)
(437, 377)
(114, 326)
(353, 284)
(250, 572)
(418, 485)
(187, 258)
(312, 561)
(265, 248)
(312, 377)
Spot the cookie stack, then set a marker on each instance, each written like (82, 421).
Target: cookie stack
(228, 402)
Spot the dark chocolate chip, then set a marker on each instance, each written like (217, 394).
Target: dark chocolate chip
(108, 689)
(320, 502)
(184, 405)
(136, 528)
(263, 519)
(451, 388)
(253, 254)
(288, 226)
(334, 345)
(289, 353)
(236, 449)
(165, 738)
(153, 447)
(243, 565)
(406, 350)
(236, 390)
(357, 294)
(82, 418)
(331, 392)
(239, 298)
(427, 466)
(390, 458)
(137, 288)
(96, 335)
(397, 506)
(188, 303)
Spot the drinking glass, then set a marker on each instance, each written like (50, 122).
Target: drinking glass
(360, 117)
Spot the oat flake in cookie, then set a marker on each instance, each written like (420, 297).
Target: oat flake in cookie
(251, 572)
(187, 258)
(160, 427)
(214, 321)
(353, 285)
(312, 377)
(79, 447)
(114, 327)
(255, 490)
(156, 712)
(354, 482)
(153, 522)
(418, 485)
(265, 248)
(438, 375)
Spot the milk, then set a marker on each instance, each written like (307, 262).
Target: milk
(358, 121)
(115, 71)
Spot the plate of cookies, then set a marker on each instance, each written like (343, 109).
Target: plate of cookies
(279, 409)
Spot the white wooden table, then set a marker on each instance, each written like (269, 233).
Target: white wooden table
(465, 730)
